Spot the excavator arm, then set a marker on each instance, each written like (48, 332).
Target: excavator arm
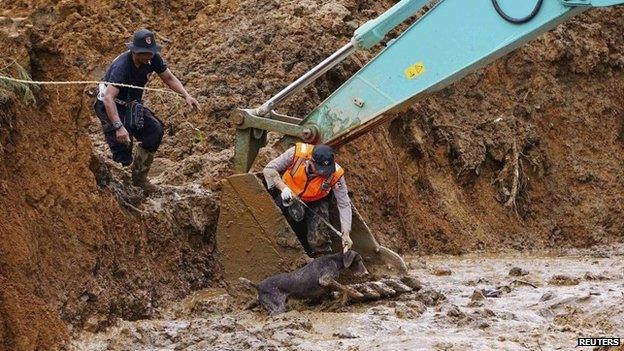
(451, 40)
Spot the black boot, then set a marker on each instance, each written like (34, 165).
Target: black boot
(140, 168)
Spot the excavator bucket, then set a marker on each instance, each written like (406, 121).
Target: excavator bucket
(255, 240)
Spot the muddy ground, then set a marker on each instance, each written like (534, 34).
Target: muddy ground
(473, 302)
(81, 247)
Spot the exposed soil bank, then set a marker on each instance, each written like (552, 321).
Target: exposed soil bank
(80, 247)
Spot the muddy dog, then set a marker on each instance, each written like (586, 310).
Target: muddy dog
(312, 282)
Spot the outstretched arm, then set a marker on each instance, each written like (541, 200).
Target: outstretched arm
(344, 205)
(174, 83)
(273, 169)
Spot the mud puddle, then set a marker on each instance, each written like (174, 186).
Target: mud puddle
(478, 301)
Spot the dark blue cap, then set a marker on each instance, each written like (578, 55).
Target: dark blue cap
(323, 157)
(144, 41)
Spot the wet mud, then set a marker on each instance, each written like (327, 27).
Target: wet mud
(481, 303)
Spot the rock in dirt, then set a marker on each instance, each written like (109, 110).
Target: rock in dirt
(594, 276)
(410, 310)
(412, 282)
(492, 292)
(506, 289)
(430, 297)
(562, 279)
(345, 335)
(477, 295)
(441, 272)
(455, 312)
(518, 282)
(290, 320)
(517, 272)
(547, 296)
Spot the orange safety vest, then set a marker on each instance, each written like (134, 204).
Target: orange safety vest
(297, 180)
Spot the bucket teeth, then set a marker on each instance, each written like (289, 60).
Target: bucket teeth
(397, 285)
(387, 287)
(368, 292)
(355, 294)
(412, 282)
(382, 289)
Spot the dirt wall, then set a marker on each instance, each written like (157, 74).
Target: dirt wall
(448, 164)
(73, 252)
(80, 246)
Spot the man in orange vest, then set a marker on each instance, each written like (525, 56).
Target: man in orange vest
(309, 174)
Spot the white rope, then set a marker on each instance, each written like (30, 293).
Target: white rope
(78, 82)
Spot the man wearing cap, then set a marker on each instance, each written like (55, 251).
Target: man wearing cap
(310, 174)
(134, 67)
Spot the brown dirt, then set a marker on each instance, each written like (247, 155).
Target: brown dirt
(81, 246)
(443, 315)
(72, 253)
(559, 100)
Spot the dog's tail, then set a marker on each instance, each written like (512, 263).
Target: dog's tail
(249, 283)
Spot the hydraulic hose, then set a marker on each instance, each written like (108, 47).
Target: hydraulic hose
(508, 18)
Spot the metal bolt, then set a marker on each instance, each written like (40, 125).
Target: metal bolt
(307, 132)
(358, 102)
(238, 118)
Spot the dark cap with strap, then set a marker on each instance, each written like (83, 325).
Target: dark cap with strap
(144, 41)
(323, 157)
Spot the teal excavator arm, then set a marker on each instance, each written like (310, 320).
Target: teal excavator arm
(452, 39)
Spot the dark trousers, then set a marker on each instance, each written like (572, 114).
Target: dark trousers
(150, 135)
(311, 227)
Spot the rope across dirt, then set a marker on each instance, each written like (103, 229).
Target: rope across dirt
(85, 82)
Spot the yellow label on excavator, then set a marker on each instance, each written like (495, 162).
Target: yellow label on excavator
(415, 70)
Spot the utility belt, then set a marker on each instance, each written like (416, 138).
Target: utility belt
(121, 102)
(133, 117)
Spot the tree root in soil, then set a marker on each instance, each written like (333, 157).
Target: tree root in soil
(515, 162)
(513, 167)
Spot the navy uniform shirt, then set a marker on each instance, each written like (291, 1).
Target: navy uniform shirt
(123, 71)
